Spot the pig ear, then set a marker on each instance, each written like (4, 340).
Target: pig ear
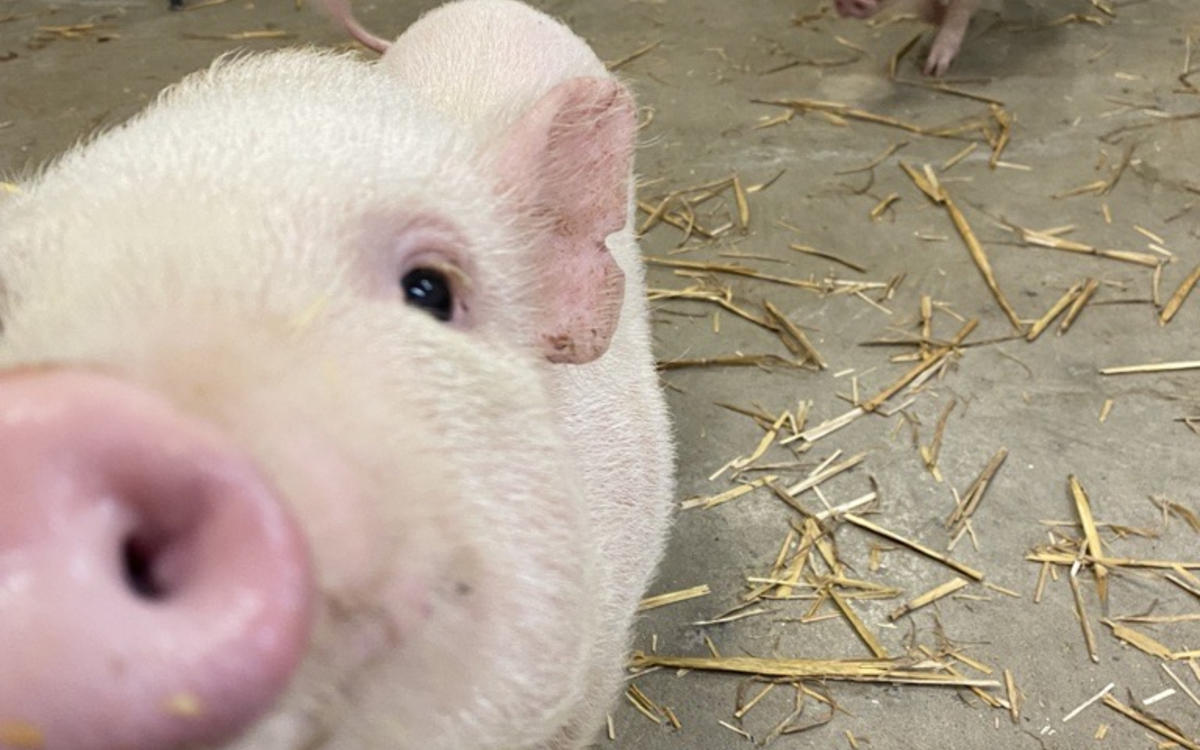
(565, 167)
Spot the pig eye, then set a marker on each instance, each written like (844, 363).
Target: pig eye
(430, 290)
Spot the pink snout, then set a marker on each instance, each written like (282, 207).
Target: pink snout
(857, 8)
(154, 592)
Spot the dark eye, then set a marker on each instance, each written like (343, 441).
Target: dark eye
(430, 290)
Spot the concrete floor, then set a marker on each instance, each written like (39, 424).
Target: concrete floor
(1068, 88)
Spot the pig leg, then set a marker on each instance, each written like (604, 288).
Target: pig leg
(953, 19)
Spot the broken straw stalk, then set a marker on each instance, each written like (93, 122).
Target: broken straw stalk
(873, 670)
(1153, 725)
(937, 193)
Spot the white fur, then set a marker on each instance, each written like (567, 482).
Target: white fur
(214, 250)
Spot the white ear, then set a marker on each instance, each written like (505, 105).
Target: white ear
(565, 167)
(483, 63)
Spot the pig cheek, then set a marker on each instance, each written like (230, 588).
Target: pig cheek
(327, 495)
(409, 603)
(381, 540)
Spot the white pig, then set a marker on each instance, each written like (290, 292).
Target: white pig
(328, 416)
(950, 16)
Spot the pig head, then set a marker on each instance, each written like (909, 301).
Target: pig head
(328, 417)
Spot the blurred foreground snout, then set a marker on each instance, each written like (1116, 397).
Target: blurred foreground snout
(154, 591)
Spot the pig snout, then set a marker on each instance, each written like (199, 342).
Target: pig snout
(154, 592)
(857, 8)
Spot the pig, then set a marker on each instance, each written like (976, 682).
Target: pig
(328, 412)
(950, 16)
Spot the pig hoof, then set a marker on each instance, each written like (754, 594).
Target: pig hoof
(939, 61)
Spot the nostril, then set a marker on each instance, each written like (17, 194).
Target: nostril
(141, 576)
(170, 520)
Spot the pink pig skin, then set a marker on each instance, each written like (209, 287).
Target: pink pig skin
(469, 506)
(950, 16)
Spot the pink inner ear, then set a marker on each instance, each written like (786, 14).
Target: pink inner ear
(567, 165)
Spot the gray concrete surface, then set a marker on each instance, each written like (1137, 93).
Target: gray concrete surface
(1067, 87)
